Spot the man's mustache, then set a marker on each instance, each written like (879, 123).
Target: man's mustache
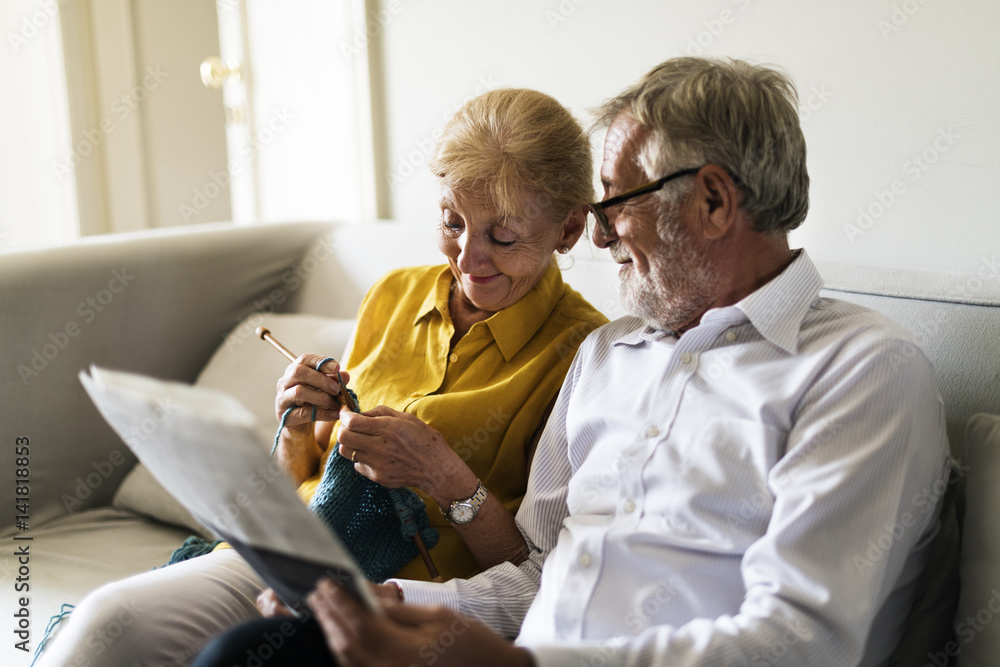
(619, 252)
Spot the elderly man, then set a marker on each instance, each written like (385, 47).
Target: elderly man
(743, 472)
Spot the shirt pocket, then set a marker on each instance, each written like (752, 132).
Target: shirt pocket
(720, 500)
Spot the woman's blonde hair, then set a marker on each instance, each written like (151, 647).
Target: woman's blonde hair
(511, 144)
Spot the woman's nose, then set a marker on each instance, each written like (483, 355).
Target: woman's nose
(472, 253)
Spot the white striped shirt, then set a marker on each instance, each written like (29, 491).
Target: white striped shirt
(759, 491)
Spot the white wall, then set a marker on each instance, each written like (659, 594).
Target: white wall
(883, 84)
(37, 203)
(183, 139)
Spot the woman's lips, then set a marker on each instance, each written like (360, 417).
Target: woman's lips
(482, 280)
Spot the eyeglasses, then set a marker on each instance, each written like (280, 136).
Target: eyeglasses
(598, 208)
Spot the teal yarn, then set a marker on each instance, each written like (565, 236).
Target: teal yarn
(375, 524)
(65, 610)
(193, 547)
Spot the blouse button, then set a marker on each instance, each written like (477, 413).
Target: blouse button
(629, 506)
(453, 358)
(730, 336)
(652, 432)
(685, 358)
(584, 560)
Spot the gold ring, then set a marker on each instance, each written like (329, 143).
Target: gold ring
(354, 455)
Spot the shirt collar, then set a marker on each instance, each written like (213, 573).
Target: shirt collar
(777, 309)
(437, 298)
(516, 324)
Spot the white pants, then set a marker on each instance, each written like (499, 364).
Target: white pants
(162, 617)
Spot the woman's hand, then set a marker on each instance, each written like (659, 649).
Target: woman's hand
(397, 449)
(270, 605)
(302, 387)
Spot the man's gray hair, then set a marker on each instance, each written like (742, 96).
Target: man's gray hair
(727, 112)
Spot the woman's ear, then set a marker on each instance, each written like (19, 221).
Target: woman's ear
(573, 227)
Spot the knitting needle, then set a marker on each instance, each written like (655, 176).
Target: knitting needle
(348, 401)
(426, 556)
(344, 397)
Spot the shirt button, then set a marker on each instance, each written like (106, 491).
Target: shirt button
(685, 358)
(414, 394)
(730, 336)
(453, 358)
(652, 432)
(629, 506)
(584, 560)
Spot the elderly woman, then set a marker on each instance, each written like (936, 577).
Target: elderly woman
(457, 364)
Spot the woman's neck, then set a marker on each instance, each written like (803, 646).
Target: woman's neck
(463, 315)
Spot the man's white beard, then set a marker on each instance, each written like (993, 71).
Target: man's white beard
(681, 283)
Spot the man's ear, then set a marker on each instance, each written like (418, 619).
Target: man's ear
(718, 201)
(573, 227)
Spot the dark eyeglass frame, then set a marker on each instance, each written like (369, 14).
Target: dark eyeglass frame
(597, 208)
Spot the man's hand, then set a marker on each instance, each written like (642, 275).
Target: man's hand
(406, 634)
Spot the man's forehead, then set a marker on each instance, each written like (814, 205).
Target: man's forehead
(624, 139)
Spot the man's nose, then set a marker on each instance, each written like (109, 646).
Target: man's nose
(602, 240)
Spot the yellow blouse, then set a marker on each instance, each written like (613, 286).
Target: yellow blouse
(486, 396)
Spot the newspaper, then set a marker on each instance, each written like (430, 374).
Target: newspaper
(208, 454)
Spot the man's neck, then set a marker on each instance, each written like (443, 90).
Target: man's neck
(758, 260)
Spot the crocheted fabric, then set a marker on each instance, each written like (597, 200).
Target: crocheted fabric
(375, 524)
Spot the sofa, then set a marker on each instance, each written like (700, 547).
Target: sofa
(181, 304)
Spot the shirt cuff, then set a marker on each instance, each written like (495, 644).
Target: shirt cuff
(428, 593)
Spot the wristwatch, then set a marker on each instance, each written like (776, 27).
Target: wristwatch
(464, 511)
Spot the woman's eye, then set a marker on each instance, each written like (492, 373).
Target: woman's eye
(503, 237)
(451, 224)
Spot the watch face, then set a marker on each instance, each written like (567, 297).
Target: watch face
(462, 513)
